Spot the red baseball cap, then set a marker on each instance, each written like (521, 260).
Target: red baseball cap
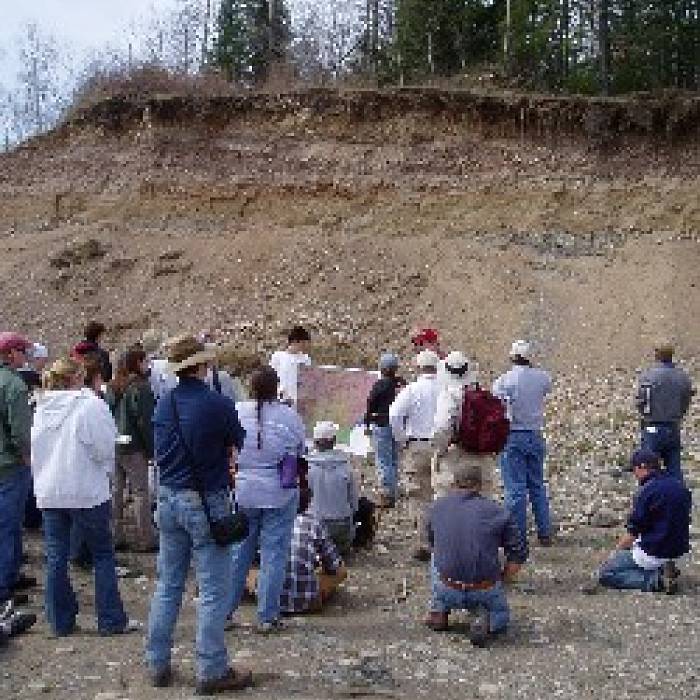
(426, 336)
(9, 340)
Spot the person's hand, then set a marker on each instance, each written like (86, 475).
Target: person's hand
(510, 572)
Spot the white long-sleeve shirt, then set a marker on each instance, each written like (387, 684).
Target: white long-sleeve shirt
(73, 450)
(412, 415)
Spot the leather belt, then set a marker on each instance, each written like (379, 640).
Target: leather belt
(462, 586)
(415, 439)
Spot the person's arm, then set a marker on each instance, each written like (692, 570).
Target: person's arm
(638, 521)
(641, 398)
(372, 399)
(98, 432)
(429, 527)
(398, 412)
(19, 420)
(687, 393)
(235, 431)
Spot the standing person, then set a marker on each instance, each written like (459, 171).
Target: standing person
(412, 418)
(524, 389)
(131, 400)
(15, 475)
(466, 531)
(658, 531)
(274, 432)
(287, 362)
(191, 422)
(663, 398)
(333, 487)
(73, 441)
(386, 454)
(93, 333)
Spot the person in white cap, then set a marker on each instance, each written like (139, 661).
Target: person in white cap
(412, 417)
(333, 487)
(524, 389)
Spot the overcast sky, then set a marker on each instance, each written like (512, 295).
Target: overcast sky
(84, 24)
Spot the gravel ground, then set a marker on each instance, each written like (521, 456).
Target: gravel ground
(369, 641)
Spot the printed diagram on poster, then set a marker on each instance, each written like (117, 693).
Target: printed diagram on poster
(334, 393)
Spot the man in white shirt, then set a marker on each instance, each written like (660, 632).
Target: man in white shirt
(286, 363)
(412, 417)
(524, 389)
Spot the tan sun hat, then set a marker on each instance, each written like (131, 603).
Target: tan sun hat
(186, 351)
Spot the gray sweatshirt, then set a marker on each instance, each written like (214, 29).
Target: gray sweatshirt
(663, 394)
(332, 484)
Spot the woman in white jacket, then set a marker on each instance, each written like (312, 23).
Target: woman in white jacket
(73, 455)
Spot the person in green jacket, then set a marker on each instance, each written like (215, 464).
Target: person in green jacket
(15, 474)
(132, 403)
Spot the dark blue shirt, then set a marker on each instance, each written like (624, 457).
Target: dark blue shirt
(466, 531)
(209, 425)
(661, 516)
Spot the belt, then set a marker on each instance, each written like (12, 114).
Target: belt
(462, 586)
(415, 439)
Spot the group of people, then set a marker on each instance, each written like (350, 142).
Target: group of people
(241, 495)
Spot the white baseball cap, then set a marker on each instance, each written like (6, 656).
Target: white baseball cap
(39, 351)
(427, 358)
(325, 430)
(521, 348)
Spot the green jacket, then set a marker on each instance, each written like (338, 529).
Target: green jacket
(133, 414)
(15, 422)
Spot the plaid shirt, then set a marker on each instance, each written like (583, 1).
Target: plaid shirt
(311, 547)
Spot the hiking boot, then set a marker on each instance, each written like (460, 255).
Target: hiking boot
(231, 680)
(24, 582)
(437, 621)
(16, 599)
(162, 678)
(421, 554)
(479, 627)
(669, 578)
(270, 627)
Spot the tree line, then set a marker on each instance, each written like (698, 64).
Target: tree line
(595, 47)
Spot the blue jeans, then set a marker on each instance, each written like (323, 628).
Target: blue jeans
(522, 469)
(13, 496)
(445, 599)
(386, 457)
(271, 529)
(185, 535)
(79, 551)
(665, 440)
(95, 524)
(620, 571)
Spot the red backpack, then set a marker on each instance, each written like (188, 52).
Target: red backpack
(483, 427)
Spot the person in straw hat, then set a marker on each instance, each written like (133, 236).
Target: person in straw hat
(466, 530)
(197, 432)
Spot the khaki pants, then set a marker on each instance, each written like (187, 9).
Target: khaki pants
(133, 468)
(417, 462)
(443, 470)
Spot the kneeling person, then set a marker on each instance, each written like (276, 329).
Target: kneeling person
(658, 531)
(332, 483)
(466, 530)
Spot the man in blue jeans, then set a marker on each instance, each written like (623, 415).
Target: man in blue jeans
(208, 423)
(466, 531)
(663, 398)
(386, 455)
(15, 474)
(524, 389)
(658, 531)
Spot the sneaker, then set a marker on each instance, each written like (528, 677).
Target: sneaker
(20, 622)
(270, 627)
(421, 554)
(669, 578)
(437, 621)
(129, 627)
(24, 582)
(479, 627)
(162, 678)
(231, 680)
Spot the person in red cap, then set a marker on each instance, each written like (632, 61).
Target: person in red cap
(15, 449)
(427, 339)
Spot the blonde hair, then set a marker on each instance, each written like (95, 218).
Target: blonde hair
(60, 374)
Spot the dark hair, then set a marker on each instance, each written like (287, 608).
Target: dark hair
(128, 368)
(92, 364)
(298, 334)
(520, 360)
(263, 387)
(93, 331)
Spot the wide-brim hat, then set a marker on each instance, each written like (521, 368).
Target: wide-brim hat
(186, 351)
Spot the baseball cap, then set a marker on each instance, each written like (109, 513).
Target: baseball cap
(9, 340)
(521, 348)
(325, 430)
(645, 457)
(388, 360)
(425, 336)
(457, 363)
(427, 358)
(39, 351)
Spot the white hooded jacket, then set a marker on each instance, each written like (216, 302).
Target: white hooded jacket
(73, 449)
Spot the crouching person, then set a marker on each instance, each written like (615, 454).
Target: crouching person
(658, 531)
(466, 531)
